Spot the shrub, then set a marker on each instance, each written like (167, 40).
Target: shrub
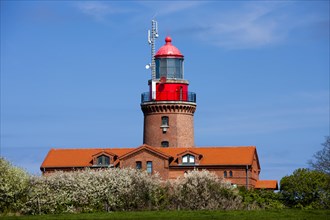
(93, 190)
(260, 199)
(13, 186)
(198, 190)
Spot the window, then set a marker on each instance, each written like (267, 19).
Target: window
(149, 167)
(188, 159)
(230, 173)
(171, 68)
(138, 165)
(225, 174)
(165, 143)
(103, 160)
(165, 121)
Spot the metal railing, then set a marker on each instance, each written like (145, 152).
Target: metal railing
(169, 96)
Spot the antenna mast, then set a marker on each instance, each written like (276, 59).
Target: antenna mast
(152, 35)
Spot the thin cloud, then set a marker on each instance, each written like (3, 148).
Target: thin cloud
(166, 8)
(99, 10)
(248, 27)
(175, 7)
(258, 24)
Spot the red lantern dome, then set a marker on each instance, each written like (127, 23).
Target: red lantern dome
(168, 50)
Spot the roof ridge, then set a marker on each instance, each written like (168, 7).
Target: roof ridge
(231, 146)
(204, 147)
(90, 148)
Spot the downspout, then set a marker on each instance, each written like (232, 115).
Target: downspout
(247, 176)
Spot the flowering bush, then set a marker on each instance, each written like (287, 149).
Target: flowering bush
(198, 190)
(93, 190)
(114, 189)
(13, 186)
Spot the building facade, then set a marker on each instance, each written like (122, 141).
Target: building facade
(168, 137)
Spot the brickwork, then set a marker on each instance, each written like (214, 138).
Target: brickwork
(238, 178)
(180, 132)
(159, 164)
(254, 171)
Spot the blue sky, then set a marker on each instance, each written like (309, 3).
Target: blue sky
(72, 73)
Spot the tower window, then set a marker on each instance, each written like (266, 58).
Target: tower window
(165, 121)
(103, 160)
(149, 167)
(138, 165)
(225, 174)
(165, 144)
(188, 159)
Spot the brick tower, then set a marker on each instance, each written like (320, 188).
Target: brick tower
(168, 107)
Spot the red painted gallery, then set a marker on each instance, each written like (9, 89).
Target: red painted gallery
(168, 137)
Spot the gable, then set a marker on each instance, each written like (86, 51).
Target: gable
(103, 152)
(145, 149)
(255, 162)
(189, 151)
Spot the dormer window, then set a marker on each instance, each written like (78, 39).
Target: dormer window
(188, 159)
(103, 160)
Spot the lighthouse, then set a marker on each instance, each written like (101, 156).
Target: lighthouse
(168, 136)
(168, 106)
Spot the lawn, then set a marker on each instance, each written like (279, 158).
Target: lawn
(271, 214)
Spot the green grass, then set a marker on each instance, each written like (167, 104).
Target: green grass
(264, 214)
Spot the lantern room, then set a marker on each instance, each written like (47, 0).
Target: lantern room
(169, 61)
(169, 83)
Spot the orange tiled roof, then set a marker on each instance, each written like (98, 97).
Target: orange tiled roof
(218, 155)
(266, 184)
(210, 155)
(77, 157)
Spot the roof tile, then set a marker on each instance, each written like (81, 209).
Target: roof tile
(266, 184)
(211, 155)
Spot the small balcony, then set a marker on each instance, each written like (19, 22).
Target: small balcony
(169, 96)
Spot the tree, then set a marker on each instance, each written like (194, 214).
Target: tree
(322, 158)
(306, 189)
(260, 199)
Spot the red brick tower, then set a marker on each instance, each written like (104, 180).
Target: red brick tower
(168, 107)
